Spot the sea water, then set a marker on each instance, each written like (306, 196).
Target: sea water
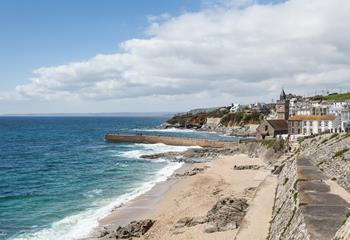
(58, 176)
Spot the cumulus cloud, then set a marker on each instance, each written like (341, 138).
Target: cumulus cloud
(243, 51)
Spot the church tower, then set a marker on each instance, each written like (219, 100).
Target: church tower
(282, 106)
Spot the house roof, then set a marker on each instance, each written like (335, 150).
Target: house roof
(278, 124)
(312, 118)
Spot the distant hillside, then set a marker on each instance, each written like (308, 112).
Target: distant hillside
(196, 119)
(333, 96)
(336, 96)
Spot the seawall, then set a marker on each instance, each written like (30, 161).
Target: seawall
(178, 141)
(305, 207)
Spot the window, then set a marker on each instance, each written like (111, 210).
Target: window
(266, 127)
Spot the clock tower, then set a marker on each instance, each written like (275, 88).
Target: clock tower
(282, 107)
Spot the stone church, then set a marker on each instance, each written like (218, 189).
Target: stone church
(275, 127)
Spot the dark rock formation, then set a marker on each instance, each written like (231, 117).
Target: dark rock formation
(227, 214)
(134, 229)
(246, 167)
(192, 172)
(193, 155)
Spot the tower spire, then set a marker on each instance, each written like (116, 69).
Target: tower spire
(283, 95)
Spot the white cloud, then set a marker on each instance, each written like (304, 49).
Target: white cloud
(250, 51)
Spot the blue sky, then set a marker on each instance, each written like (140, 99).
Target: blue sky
(41, 33)
(167, 55)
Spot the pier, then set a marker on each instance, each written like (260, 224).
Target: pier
(177, 141)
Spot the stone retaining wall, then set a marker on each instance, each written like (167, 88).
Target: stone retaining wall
(304, 207)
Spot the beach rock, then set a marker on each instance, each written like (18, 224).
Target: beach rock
(182, 222)
(134, 229)
(226, 214)
(193, 155)
(246, 167)
(192, 172)
(210, 228)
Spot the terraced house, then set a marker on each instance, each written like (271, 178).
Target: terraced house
(314, 124)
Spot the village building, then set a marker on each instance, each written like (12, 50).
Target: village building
(314, 124)
(271, 129)
(278, 125)
(345, 120)
(235, 107)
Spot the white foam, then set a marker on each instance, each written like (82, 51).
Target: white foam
(166, 130)
(143, 149)
(80, 225)
(93, 193)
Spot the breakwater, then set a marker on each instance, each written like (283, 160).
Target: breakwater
(177, 141)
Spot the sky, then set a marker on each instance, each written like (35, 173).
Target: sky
(154, 55)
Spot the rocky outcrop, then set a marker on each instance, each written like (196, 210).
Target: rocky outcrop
(134, 229)
(192, 172)
(194, 155)
(226, 214)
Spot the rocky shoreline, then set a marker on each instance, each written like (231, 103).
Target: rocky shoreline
(247, 130)
(193, 155)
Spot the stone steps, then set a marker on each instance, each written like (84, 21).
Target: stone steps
(323, 211)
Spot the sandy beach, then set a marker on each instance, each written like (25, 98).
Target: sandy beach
(194, 196)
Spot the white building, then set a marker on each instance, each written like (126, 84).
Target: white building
(235, 107)
(342, 109)
(314, 124)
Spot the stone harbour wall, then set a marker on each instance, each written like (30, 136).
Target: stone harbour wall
(179, 141)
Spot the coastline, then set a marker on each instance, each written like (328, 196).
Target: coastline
(192, 196)
(139, 206)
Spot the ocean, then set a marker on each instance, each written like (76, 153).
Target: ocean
(58, 176)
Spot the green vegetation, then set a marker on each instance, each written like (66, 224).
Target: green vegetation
(186, 119)
(218, 113)
(333, 136)
(269, 143)
(246, 117)
(336, 96)
(340, 153)
(333, 96)
(347, 216)
(285, 181)
(227, 118)
(277, 145)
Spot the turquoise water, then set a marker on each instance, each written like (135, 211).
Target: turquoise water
(58, 176)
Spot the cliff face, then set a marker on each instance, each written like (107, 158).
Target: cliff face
(188, 121)
(219, 120)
